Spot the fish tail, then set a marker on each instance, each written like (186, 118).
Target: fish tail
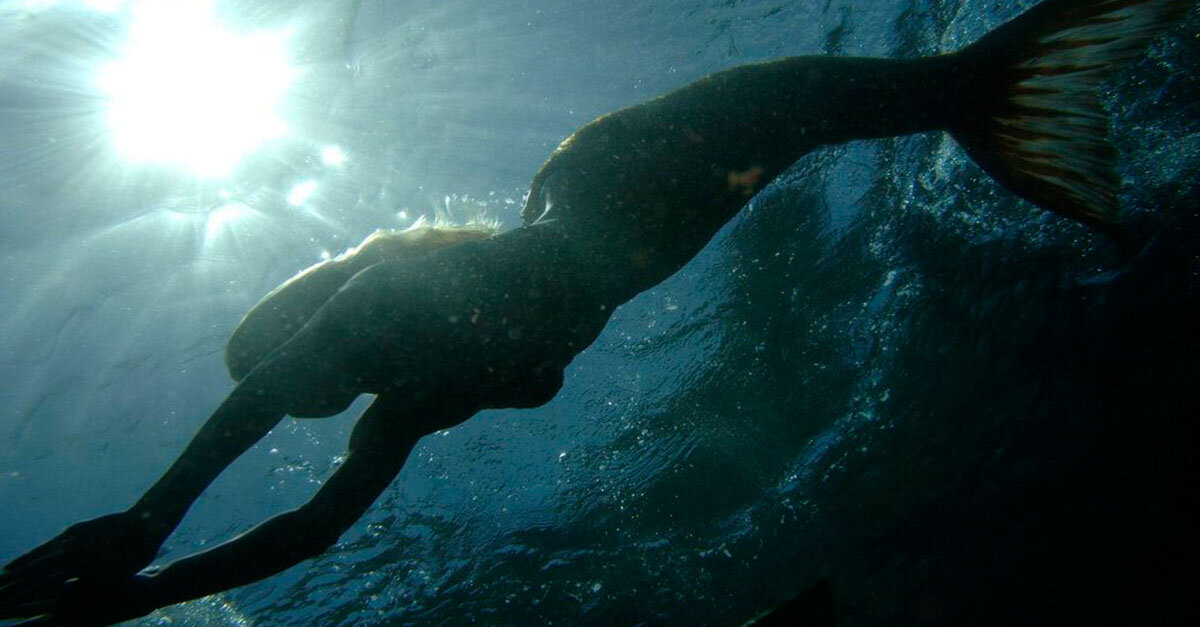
(1039, 129)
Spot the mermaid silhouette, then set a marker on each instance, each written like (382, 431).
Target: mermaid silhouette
(440, 323)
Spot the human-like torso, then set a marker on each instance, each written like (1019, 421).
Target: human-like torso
(620, 206)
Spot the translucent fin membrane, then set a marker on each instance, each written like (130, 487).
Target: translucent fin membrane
(1047, 137)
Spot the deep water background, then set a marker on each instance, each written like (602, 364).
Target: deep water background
(887, 371)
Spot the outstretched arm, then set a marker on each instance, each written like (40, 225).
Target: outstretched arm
(379, 446)
(244, 418)
(118, 545)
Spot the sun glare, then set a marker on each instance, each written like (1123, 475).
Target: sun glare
(301, 193)
(333, 156)
(188, 92)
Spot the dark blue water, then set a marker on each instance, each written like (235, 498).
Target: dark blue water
(887, 371)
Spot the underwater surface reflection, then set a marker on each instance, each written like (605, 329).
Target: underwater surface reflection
(887, 371)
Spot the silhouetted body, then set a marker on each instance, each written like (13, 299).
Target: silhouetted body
(441, 324)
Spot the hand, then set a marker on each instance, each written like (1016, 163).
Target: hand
(112, 547)
(102, 600)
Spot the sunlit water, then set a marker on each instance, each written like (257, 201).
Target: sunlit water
(886, 371)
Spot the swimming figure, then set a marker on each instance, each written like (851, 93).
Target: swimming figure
(439, 324)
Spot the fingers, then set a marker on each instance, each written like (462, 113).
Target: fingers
(26, 607)
(40, 559)
(35, 555)
(29, 582)
(36, 608)
(40, 621)
(31, 561)
(39, 600)
(19, 580)
(21, 589)
(81, 602)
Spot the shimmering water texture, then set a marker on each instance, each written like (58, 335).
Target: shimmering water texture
(887, 372)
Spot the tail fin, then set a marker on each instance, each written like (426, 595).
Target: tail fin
(1039, 129)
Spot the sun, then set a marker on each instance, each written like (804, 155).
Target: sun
(190, 93)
